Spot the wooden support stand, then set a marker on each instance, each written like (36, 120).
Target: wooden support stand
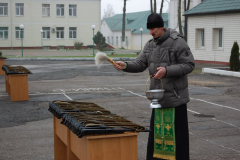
(2, 62)
(67, 146)
(17, 86)
(7, 84)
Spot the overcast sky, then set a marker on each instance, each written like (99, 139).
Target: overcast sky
(132, 6)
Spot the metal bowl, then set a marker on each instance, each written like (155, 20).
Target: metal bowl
(155, 94)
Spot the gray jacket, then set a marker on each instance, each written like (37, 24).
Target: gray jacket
(172, 52)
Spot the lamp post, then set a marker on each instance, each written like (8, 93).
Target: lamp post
(93, 27)
(21, 26)
(41, 37)
(141, 37)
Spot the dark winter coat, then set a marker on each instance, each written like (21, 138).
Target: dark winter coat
(172, 52)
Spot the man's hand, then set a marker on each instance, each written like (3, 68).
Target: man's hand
(161, 73)
(120, 65)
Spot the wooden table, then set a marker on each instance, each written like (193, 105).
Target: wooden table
(67, 146)
(2, 62)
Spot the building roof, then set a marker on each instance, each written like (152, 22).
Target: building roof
(134, 21)
(214, 7)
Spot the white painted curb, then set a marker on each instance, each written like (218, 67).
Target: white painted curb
(219, 71)
(65, 59)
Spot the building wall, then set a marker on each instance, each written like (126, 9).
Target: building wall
(136, 40)
(106, 32)
(230, 23)
(119, 35)
(33, 22)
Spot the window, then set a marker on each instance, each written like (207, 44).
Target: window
(60, 32)
(202, 38)
(220, 38)
(46, 32)
(200, 42)
(18, 33)
(126, 40)
(60, 10)
(46, 10)
(217, 38)
(19, 9)
(72, 32)
(116, 40)
(3, 32)
(3, 9)
(108, 40)
(112, 41)
(72, 10)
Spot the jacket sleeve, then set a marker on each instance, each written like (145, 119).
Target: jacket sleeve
(141, 62)
(185, 61)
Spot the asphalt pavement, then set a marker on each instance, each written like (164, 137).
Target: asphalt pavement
(26, 128)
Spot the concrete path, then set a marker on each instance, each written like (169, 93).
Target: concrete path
(26, 128)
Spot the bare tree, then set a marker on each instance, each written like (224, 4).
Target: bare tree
(161, 8)
(186, 8)
(123, 23)
(180, 17)
(109, 12)
(151, 5)
(154, 7)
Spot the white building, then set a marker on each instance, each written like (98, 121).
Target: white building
(62, 22)
(173, 12)
(213, 26)
(135, 39)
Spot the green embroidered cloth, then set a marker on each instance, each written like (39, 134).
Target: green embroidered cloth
(164, 134)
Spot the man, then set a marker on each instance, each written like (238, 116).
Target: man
(169, 60)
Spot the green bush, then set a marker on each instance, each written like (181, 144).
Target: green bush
(0, 54)
(234, 58)
(99, 40)
(78, 45)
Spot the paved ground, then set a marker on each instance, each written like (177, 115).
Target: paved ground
(26, 131)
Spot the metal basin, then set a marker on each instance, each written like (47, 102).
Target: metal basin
(155, 95)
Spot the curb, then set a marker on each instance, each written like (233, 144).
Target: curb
(64, 59)
(220, 71)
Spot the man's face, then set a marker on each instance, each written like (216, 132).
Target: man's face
(156, 32)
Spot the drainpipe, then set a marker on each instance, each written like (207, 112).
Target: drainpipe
(10, 8)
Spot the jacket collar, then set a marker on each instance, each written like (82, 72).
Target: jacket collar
(161, 39)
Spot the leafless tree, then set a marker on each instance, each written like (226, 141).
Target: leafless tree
(151, 5)
(154, 7)
(186, 7)
(180, 17)
(109, 12)
(161, 8)
(123, 23)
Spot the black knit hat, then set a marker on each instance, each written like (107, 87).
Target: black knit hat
(154, 20)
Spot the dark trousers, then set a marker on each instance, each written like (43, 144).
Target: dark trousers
(181, 134)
